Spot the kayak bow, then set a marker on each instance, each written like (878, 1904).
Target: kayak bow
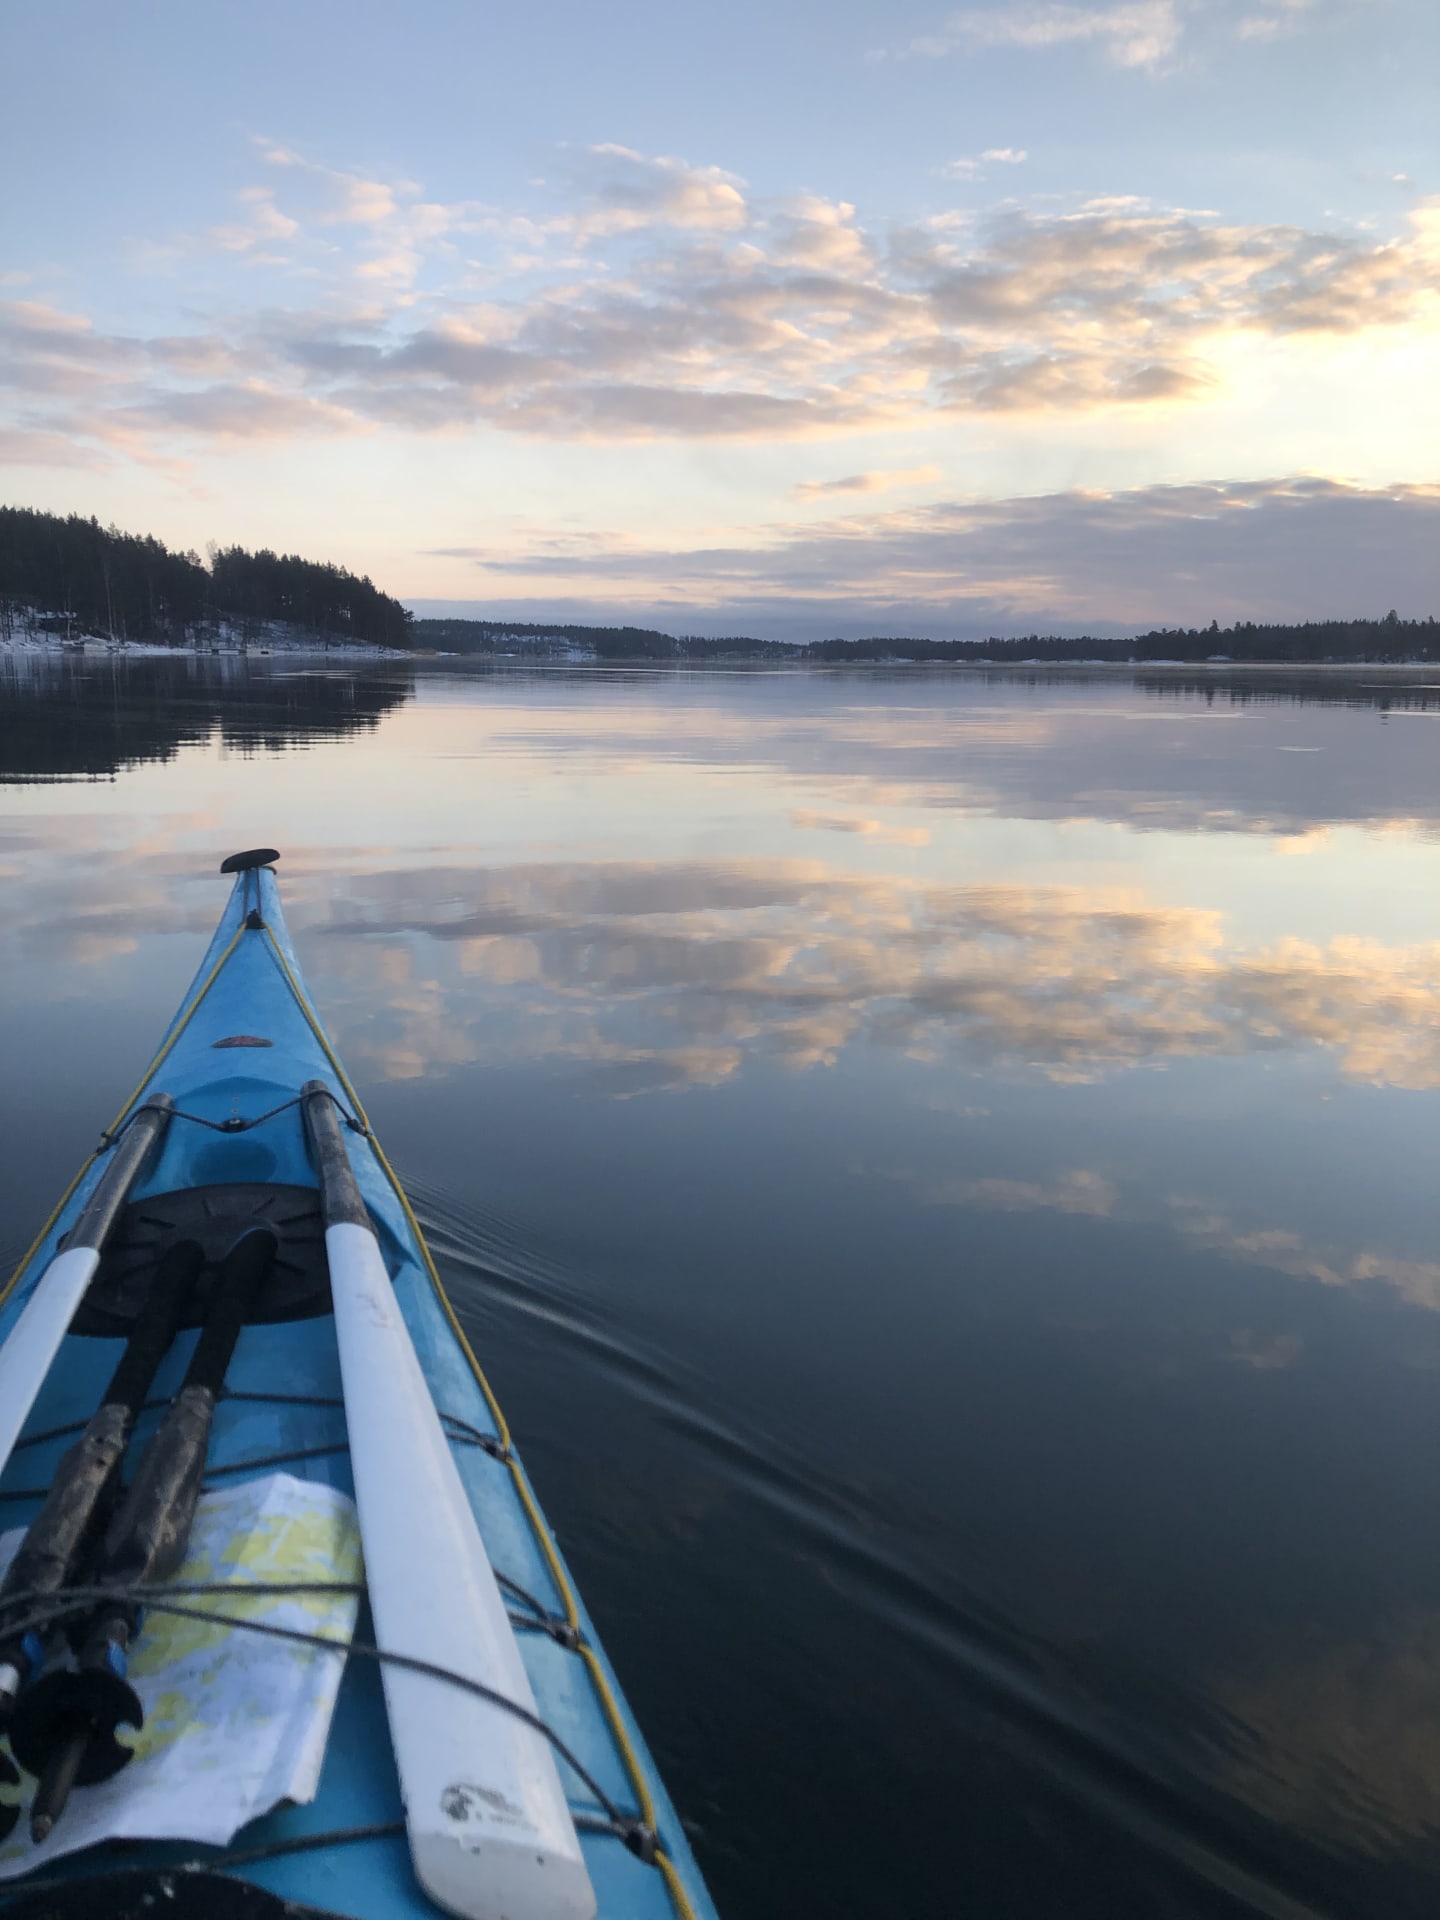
(508, 1780)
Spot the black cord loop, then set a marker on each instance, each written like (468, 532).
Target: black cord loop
(236, 1123)
(73, 1600)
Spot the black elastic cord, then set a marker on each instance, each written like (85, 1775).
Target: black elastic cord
(75, 1599)
(298, 1843)
(463, 1430)
(280, 1589)
(240, 1856)
(236, 1125)
(276, 1459)
(286, 1399)
(635, 1835)
(537, 1620)
(247, 1465)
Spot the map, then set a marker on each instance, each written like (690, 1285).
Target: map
(235, 1722)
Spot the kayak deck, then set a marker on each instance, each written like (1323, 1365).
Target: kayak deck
(240, 1049)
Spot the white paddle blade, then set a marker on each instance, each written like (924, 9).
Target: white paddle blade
(490, 1833)
(34, 1340)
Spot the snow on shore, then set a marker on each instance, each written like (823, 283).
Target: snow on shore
(226, 640)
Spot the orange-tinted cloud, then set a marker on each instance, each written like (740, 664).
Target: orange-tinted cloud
(665, 301)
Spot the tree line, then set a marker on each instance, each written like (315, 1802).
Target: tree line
(606, 643)
(77, 577)
(1308, 642)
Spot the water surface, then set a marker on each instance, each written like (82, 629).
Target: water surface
(940, 1169)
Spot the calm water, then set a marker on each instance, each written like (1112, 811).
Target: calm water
(941, 1171)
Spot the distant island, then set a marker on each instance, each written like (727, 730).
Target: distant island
(68, 580)
(1309, 643)
(505, 639)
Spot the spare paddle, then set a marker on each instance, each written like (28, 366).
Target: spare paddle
(34, 1340)
(82, 1493)
(490, 1834)
(64, 1724)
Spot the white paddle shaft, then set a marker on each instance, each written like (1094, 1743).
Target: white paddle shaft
(35, 1338)
(490, 1833)
(30, 1347)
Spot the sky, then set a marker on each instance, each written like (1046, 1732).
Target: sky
(789, 320)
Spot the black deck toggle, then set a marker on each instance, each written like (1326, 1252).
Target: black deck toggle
(91, 1704)
(243, 862)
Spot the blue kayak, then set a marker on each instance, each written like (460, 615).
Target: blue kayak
(243, 1175)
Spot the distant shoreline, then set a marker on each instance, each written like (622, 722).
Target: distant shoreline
(121, 652)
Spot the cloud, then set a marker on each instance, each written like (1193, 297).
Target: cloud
(806, 820)
(973, 166)
(263, 223)
(243, 411)
(877, 480)
(626, 191)
(26, 447)
(670, 305)
(1265, 549)
(326, 210)
(1280, 18)
(47, 351)
(1141, 33)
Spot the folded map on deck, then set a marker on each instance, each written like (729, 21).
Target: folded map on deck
(235, 1722)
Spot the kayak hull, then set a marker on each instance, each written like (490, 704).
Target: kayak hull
(243, 1044)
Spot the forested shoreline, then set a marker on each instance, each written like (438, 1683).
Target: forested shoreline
(67, 576)
(1305, 643)
(502, 638)
(1300, 644)
(71, 576)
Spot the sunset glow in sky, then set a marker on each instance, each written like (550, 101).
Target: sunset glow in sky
(790, 320)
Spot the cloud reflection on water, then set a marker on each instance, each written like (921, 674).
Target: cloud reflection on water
(1222, 759)
(1341, 1737)
(1202, 1225)
(680, 970)
(688, 968)
(1105, 1280)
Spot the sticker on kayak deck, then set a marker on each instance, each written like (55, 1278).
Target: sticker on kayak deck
(466, 1803)
(235, 1722)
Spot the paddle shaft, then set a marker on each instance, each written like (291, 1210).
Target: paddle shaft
(490, 1834)
(65, 1724)
(85, 1481)
(32, 1343)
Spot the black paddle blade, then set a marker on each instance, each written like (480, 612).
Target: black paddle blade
(65, 1703)
(243, 862)
(155, 1325)
(243, 1272)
